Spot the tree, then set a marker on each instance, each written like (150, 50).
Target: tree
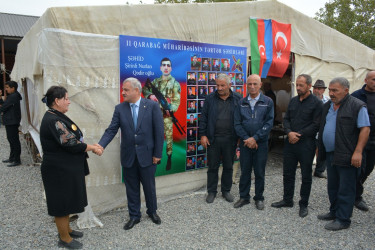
(354, 18)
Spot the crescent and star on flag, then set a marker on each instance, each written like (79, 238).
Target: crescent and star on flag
(279, 34)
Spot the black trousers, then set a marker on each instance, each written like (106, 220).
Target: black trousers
(341, 184)
(14, 142)
(221, 150)
(302, 152)
(133, 177)
(366, 169)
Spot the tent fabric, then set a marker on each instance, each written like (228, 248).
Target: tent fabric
(78, 48)
(224, 23)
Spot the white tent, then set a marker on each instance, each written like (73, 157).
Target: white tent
(77, 47)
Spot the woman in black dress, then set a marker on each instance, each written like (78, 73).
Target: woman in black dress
(64, 165)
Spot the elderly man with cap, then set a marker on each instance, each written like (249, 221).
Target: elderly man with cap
(318, 90)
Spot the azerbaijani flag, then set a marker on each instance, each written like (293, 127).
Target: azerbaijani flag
(261, 46)
(270, 47)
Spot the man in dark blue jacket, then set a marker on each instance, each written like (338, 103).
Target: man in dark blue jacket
(11, 110)
(253, 120)
(367, 95)
(218, 136)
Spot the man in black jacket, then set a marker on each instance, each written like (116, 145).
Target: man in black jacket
(11, 110)
(301, 123)
(218, 136)
(343, 134)
(367, 95)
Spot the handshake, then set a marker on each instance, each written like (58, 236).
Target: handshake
(95, 148)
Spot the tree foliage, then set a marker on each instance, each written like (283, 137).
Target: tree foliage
(354, 18)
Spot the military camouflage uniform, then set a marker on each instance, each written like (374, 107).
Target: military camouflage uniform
(171, 90)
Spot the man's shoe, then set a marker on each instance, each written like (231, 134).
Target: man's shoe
(327, 216)
(303, 211)
(320, 175)
(76, 234)
(335, 226)
(228, 196)
(169, 163)
(282, 203)
(13, 164)
(71, 245)
(241, 203)
(361, 205)
(8, 161)
(131, 223)
(259, 205)
(155, 218)
(210, 197)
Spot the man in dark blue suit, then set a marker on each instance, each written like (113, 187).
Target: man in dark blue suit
(142, 137)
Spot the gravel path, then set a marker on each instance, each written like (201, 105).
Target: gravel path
(188, 222)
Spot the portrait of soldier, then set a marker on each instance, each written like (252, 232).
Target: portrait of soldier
(191, 78)
(192, 107)
(239, 79)
(201, 161)
(191, 148)
(191, 134)
(190, 163)
(211, 89)
(225, 65)
(191, 121)
(206, 64)
(195, 63)
(202, 78)
(202, 92)
(211, 79)
(191, 93)
(215, 65)
(171, 90)
(232, 78)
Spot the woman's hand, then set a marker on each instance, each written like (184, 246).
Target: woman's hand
(95, 148)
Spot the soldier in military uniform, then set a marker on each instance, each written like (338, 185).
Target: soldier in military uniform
(171, 90)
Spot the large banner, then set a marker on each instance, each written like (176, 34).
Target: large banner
(179, 75)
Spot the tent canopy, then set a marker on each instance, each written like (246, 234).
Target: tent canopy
(78, 48)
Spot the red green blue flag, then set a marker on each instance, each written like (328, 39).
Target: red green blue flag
(270, 47)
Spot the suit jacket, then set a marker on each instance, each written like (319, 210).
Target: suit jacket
(145, 141)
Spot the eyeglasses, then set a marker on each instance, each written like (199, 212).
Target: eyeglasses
(166, 64)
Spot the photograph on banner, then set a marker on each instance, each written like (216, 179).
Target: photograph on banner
(179, 75)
